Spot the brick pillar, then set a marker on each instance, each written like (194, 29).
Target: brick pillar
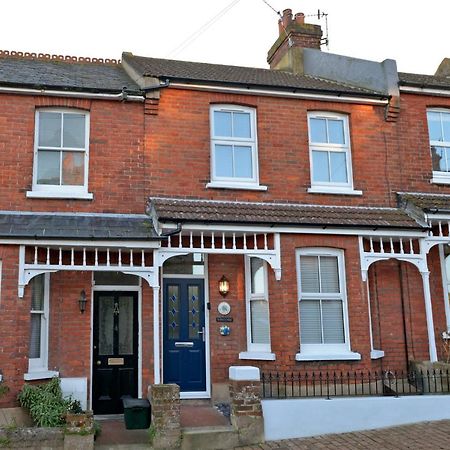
(165, 427)
(246, 409)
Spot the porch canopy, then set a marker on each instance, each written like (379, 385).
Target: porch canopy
(79, 241)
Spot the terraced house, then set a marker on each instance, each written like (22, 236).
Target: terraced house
(164, 220)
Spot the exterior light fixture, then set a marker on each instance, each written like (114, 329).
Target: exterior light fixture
(82, 301)
(224, 286)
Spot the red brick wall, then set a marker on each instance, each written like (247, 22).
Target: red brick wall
(179, 138)
(117, 164)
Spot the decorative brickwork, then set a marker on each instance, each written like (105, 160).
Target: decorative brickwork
(165, 427)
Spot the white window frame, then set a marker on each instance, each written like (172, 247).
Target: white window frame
(313, 352)
(235, 182)
(38, 367)
(439, 177)
(61, 191)
(255, 351)
(331, 187)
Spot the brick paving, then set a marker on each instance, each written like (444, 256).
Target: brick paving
(423, 436)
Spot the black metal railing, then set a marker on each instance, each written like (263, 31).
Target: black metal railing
(344, 384)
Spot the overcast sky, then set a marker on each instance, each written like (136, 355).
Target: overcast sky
(413, 32)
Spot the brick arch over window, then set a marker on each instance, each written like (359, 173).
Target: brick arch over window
(61, 102)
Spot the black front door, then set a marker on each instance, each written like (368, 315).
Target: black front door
(115, 352)
(184, 334)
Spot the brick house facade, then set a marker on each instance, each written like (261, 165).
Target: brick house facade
(130, 189)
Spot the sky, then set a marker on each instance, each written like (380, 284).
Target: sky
(413, 32)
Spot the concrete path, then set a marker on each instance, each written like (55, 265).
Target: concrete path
(422, 436)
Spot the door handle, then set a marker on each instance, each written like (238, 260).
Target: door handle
(202, 333)
(99, 363)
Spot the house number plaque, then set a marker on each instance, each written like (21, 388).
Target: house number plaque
(116, 362)
(224, 319)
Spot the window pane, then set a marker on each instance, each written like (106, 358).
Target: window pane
(333, 323)
(106, 326)
(222, 123)
(73, 168)
(318, 130)
(241, 125)
(48, 167)
(37, 293)
(115, 278)
(446, 126)
(329, 274)
(224, 160)
(243, 162)
(74, 130)
(35, 336)
(192, 264)
(336, 131)
(434, 126)
(257, 276)
(309, 274)
(194, 312)
(259, 310)
(338, 169)
(310, 328)
(49, 129)
(438, 158)
(320, 166)
(126, 325)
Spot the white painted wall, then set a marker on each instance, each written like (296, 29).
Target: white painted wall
(76, 388)
(291, 418)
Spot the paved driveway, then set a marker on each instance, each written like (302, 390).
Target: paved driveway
(423, 436)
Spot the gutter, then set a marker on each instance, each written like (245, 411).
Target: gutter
(122, 96)
(275, 93)
(425, 91)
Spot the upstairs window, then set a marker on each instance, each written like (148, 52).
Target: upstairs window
(61, 154)
(234, 159)
(439, 132)
(329, 146)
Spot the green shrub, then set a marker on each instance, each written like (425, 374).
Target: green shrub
(46, 404)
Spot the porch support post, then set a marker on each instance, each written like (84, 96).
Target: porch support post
(156, 328)
(429, 315)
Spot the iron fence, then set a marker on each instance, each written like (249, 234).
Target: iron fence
(343, 384)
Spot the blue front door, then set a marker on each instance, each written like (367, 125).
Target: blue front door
(184, 334)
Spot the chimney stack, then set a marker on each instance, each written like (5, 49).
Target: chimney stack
(294, 35)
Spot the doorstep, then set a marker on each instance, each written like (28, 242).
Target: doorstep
(114, 435)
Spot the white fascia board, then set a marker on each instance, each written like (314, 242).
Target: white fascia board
(425, 91)
(88, 244)
(296, 230)
(72, 94)
(275, 93)
(438, 216)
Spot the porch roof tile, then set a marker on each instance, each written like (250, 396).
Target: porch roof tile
(79, 226)
(424, 201)
(186, 210)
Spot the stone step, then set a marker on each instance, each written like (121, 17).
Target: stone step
(209, 438)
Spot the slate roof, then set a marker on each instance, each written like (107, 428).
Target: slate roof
(426, 202)
(424, 81)
(180, 210)
(236, 75)
(75, 226)
(62, 75)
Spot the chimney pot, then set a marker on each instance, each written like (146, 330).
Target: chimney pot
(300, 18)
(287, 17)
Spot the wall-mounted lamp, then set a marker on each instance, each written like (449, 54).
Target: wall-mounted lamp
(82, 301)
(224, 286)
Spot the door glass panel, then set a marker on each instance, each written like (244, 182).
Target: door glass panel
(106, 326)
(173, 311)
(194, 312)
(125, 325)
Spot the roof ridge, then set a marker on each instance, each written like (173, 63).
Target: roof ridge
(384, 208)
(61, 58)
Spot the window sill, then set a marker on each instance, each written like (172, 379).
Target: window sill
(333, 191)
(242, 186)
(350, 356)
(68, 195)
(41, 375)
(440, 179)
(376, 354)
(262, 356)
